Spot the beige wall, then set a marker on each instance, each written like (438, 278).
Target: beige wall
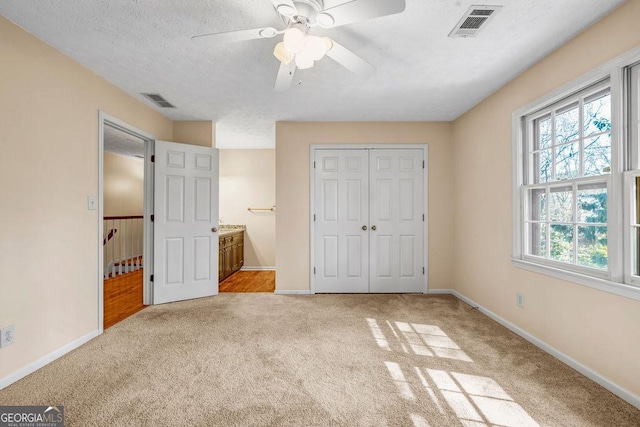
(123, 192)
(195, 132)
(292, 182)
(595, 328)
(248, 179)
(49, 165)
(123, 185)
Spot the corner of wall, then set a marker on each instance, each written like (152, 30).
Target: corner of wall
(194, 132)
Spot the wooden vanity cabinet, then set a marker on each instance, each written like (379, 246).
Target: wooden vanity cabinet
(230, 254)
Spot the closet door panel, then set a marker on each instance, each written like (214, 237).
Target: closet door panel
(342, 209)
(397, 227)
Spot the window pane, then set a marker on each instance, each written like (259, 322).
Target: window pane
(567, 161)
(561, 242)
(597, 115)
(561, 204)
(636, 248)
(542, 166)
(592, 203)
(538, 204)
(637, 193)
(597, 155)
(567, 126)
(636, 231)
(592, 246)
(538, 233)
(544, 133)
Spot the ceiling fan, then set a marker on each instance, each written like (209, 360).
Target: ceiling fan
(299, 49)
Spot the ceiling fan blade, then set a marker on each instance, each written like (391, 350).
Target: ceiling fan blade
(234, 36)
(284, 7)
(359, 10)
(350, 60)
(285, 77)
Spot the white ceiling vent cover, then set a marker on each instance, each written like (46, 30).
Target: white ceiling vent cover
(158, 100)
(474, 20)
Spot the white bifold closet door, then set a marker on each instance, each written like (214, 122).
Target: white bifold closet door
(369, 223)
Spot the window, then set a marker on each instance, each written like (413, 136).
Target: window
(632, 178)
(577, 180)
(568, 165)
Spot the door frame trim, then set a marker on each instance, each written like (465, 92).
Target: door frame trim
(312, 187)
(147, 251)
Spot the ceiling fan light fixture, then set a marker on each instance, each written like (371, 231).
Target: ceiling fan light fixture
(328, 43)
(315, 47)
(294, 40)
(303, 61)
(283, 55)
(325, 20)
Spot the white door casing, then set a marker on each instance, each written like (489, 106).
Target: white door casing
(186, 214)
(341, 244)
(382, 189)
(396, 217)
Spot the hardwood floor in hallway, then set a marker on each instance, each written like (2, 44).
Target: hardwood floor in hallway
(249, 281)
(122, 297)
(123, 294)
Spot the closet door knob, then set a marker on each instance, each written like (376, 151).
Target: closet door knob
(214, 229)
(364, 227)
(374, 228)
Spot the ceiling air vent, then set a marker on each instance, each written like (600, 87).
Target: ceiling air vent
(474, 20)
(159, 100)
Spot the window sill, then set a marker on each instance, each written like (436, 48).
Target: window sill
(604, 285)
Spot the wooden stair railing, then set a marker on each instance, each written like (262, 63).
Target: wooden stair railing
(123, 245)
(109, 236)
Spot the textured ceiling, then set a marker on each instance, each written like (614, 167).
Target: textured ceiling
(145, 46)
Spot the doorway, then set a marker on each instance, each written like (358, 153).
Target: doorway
(369, 213)
(179, 226)
(125, 196)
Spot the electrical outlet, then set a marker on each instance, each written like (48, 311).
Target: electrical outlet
(520, 299)
(7, 336)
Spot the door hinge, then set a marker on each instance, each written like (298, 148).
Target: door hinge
(314, 217)
(151, 278)
(314, 164)
(423, 164)
(423, 270)
(422, 217)
(153, 158)
(152, 218)
(314, 270)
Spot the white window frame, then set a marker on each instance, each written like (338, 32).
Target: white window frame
(617, 279)
(630, 208)
(573, 183)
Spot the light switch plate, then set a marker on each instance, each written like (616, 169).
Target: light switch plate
(91, 203)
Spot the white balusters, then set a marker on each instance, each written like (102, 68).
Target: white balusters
(122, 245)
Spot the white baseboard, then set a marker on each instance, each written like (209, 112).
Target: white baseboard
(257, 268)
(292, 292)
(614, 388)
(438, 292)
(21, 373)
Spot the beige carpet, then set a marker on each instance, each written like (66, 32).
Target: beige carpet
(351, 360)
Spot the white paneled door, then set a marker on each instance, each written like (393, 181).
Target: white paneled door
(369, 220)
(396, 217)
(342, 221)
(185, 224)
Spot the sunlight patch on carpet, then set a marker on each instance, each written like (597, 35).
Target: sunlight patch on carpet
(476, 401)
(423, 340)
